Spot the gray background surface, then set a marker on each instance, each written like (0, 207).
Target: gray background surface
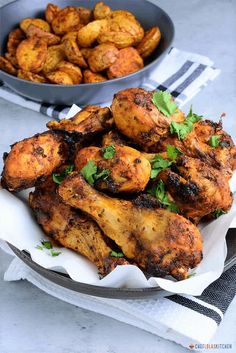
(33, 322)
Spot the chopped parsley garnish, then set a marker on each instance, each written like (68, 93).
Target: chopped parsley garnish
(218, 213)
(158, 164)
(191, 275)
(46, 244)
(58, 178)
(54, 253)
(172, 152)
(214, 141)
(116, 254)
(39, 247)
(92, 173)
(183, 129)
(164, 102)
(160, 193)
(108, 152)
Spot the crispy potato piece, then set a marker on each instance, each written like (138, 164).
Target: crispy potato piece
(31, 54)
(24, 24)
(128, 61)
(66, 20)
(55, 54)
(59, 77)
(119, 39)
(30, 76)
(35, 31)
(33, 159)
(51, 12)
(89, 33)
(149, 43)
(102, 57)
(91, 77)
(70, 35)
(101, 11)
(85, 14)
(123, 13)
(12, 59)
(73, 53)
(72, 70)
(6, 65)
(86, 52)
(14, 38)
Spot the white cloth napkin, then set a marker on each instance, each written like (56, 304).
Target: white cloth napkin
(182, 73)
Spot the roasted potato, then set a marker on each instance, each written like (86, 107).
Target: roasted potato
(89, 33)
(24, 24)
(59, 77)
(70, 35)
(72, 70)
(55, 54)
(73, 53)
(6, 65)
(101, 11)
(86, 15)
(30, 76)
(35, 31)
(102, 57)
(86, 52)
(128, 61)
(119, 39)
(51, 12)
(66, 20)
(15, 37)
(31, 54)
(91, 77)
(123, 13)
(149, 43)
(12, 59)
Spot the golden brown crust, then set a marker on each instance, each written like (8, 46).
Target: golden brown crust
(150, 42)
(66, 20)
(35, 31)
(14, 38)
(127, 62)
(102, 57)
(59, 77)
(73, 53)
(24, 24)
(55, 54)
(89, 33)
(91, 77)
(31, 54)
(7, 66)
(101, 11)
(72, 70)
(119, 39)
(30, 76)
(85, 14)
(13, 60)
(51, 11)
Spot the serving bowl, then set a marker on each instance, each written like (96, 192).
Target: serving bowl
(93, 93)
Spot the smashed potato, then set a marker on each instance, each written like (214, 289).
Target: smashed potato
(59, 77)
(15, 37)
(102, 57)
(7, 66)
(86, 52)
(12, 59)
(73, 53)
(128, 61)
(30, 76)
(149, 43)
(72, 70)
(101, 11)
(89, 33)
(66, 20)
(86, 15)
(119, 39)
(31, 54)
(70, 35)
(91, 77)
(24, 24)
(35, 31)
(55, 54)
(51, 12)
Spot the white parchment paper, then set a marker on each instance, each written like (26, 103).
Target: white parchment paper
(19, 228)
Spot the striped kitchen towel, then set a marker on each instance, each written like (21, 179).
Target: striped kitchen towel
(182, 73)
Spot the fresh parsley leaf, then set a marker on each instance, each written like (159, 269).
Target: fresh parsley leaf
(39, 247)
(191, 275)
(183, 129)
(58, 178)
(88, 172)
(160, 193)
(172, 152)
(218, 213)
(108, 152)
(54, 253)
(46, 244)
(158, 164)
(91, 172)
(214, 141)
(116, 254)
(164, 102)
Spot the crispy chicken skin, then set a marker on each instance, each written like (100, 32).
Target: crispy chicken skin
(129, 171)
(33, 159)
(196, 144)
(71, 228)
(139, 119)
(160, 242)
(88, 122)
(197, 188)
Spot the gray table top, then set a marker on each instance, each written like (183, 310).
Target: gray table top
(32, 321)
